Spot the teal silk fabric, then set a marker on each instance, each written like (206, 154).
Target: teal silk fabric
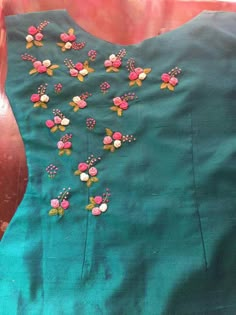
(166, 244)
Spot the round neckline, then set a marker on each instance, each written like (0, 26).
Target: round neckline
(178, 29)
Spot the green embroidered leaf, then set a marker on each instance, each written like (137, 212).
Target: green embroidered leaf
(60, 211)
(94, 179)
(62, 128)
(54, 67)
(54, 129)
(90, 206)
(78, 172)
(68, 151)
(37, 43)
(29, 45)
(61, 152)
(119, 112)
(114, 108)
(33, 71)
(53, 212)
(170, 87)
(163, 85)
(49, 72)
(109, 132)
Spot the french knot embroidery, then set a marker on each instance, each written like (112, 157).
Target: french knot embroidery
(35, 35)
(121, 103)
(64, 145)
(87, 171)
(79, 102)
(69, 41)
(40, 67)
(136, 74)
(114, 140)
(60, 204)
(79, 70)
(99, 204)
(169, 79)
(40, 99)
(59, 122)
(51, 170)
(114, 62)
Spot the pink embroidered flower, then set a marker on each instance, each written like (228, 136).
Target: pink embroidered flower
(74, 72)
(55, 203)
(58, 123)
(96, 211)
(107, 63)
(49, 123)
(133, 76)
(124, 105)
(136, 74)
(79, 66)
(107, 140)
(60, 145)
(104, 87)
(78, 102)
(82, 104)
(117, 136)
(117, 101)
(98, 200)
(87, 171)
(32, 30)
(35, 35)
(121, 103)
(99, 204)
(117, 139)
(64, 37)
(39, 36)
(35, 98)
(42, 69)
(60, 204)
(64, 145)
(138, 70)
(68, 41)
(65, 204)
(79, 70)
(37, 64)
(40, 99)
(114, 62)
(57, 120)
(117, 63)
(169, 79)
(67, 145)
(40, 66)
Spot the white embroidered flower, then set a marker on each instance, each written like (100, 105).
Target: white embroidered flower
(84, 177)
(76, 99)
(117, 144)
(103, 207)
(29, 38)
(65, 122)
(47, 63)
(142, 76)
(83, 72)
(112, 57)
(44, 98)
(68, 45)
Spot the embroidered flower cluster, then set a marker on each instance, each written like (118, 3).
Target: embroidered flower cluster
(136, 74)
(121, 103)
(44, 66)
(64, 145)
(69, 41)
(51, 170)
(60, 204)
(169, 79)
(114, 62)
(114, 140)
(60, 122)
(87, 171)
(99, 204)
(79, 70)
(79, 102)
(41, 98)
(35, 35)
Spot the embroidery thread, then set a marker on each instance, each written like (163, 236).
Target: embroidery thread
(169, 79)
(58, 88)
(69, 41)
(41, 98)
(114, 140)
(44, 66)
(92, 54)
(60, 204)
(60, 122)
(64, 145)
(99, 204)
(78, 70)
(90, 123)
(121, 103)
(51, 170)
(35, 35)
(79, 102)
(104, 87)
(87, 171)
(136, 75)
(114, 62)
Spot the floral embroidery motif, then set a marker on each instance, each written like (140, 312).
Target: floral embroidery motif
(58, 88)
(104, 87)
(121, 103)
(136, 75)
(44, 66)
(64, 145)
(60, 122)
(92, 54)
(114, 62)
(41, 98)
(114, 140)
(79, 70)
(60, 204)
(51, 170)
(79, 102)
(35, 35)
(99, 204)
(169, 79)
(90, 123)
(69, 41)
(87, 171)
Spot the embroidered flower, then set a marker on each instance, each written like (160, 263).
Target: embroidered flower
(60, 122)
(51, 170)
(99, 204)
(114, 62)
(121, 103)
(64, 145)
(114, 140)
(60, 204)
(169, 79)
(79, 102)
(40, 99)
(90, 123)
(69, 41)
(104, 87)
(35, 35)
(78, 70)
(136, 75)
(58, 88)
(92, 54)
(44, 66)
(87, 171)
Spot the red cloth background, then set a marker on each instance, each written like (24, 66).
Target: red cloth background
(118, 21)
